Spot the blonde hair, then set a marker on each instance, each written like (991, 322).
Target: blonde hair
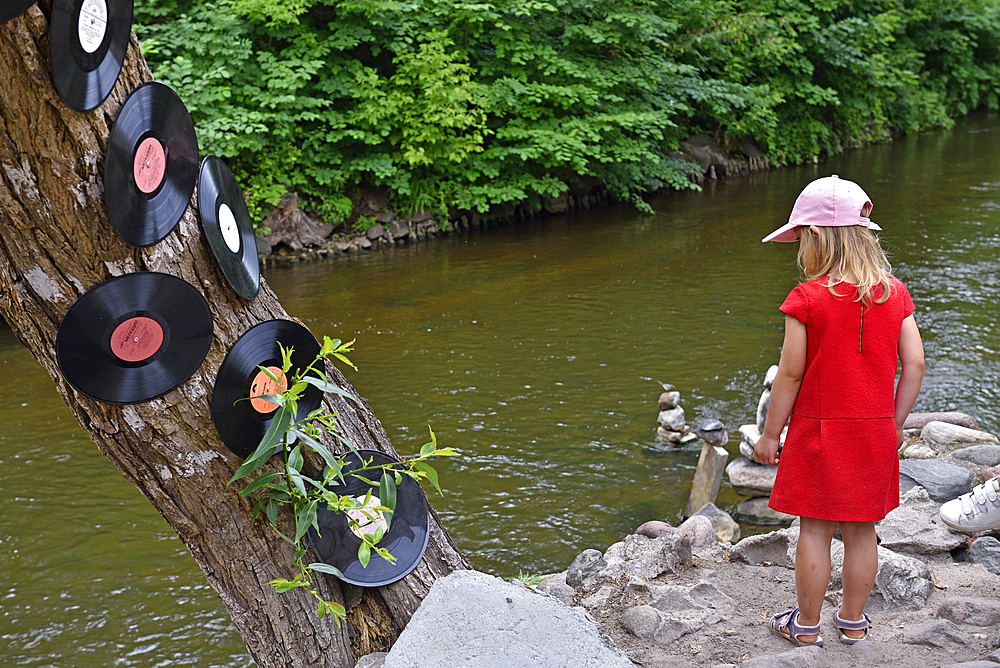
(841, 253)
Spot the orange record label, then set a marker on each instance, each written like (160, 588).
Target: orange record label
(263, 385)
(150, 164)
(136, 339)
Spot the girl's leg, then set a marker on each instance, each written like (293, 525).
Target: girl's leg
(860, 567)
(812, 569)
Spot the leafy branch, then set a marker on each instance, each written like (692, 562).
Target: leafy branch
(292, 487)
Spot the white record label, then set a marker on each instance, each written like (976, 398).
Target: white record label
(93, 24)
(230, 232)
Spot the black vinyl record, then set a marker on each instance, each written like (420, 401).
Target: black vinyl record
(241, 421)
(228, 226)
(152, 165)
(134, 338)
(14, 8)
(337, 544)
(87, 44)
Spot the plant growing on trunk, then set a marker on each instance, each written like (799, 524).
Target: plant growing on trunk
(290, 486)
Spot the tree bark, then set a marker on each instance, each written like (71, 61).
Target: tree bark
(56, 242)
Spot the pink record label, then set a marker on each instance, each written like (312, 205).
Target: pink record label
(136, 339)
(368, 519)
(93, 24)
(263, 385)
(150, 164)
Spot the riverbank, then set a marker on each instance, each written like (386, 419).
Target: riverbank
(294, 236)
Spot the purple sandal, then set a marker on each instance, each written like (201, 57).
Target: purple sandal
(847, 625)
(786, 625)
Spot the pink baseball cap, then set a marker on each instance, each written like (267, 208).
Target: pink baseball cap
(827, 202)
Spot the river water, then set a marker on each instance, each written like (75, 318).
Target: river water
(535, 351)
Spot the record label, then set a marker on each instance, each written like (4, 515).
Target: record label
(368, 521)
(264, 385)
(149, 165)
(230, 232)
(93, 24)
(136, 339)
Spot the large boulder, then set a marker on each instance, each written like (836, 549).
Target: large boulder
(918, 420)
(640, 555)
(916, 528)
(474, 619)
(727, 530)
(901, 582)
(942, 481)
(677, 611)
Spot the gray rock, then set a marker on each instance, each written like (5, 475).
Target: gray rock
(654, 529)
(557, 588)
(983, 455)
(646, 557)
(375, 232)
(972, 664)
(916, 528)
(974, 611)
(901, 582)
(944, 437)
(918, 420)
(749, 478)
(727, 530)
(599, 597)
(942, 481)
(762, 406)
(668, 400)
(776, 547)
(373, 660)
(672, 418)
(583, 571)
(986, 552)
(803, 657)
(935, 633)
(399, 229)
(474, 619)
(698, 530)
(677, 611)
(919, 451)
(669, 436)
(713, 432)
(755, 511)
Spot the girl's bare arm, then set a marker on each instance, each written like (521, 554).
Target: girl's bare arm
(785, 389)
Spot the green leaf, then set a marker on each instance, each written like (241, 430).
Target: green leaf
(295, 460)
(278, 427)
(305, 519)
(325, 568)
(272, 513)
(364, 554)
(431, 474)
(330, 388)
(260, 482)
(426, 449)
(321, 611)
(316, 446)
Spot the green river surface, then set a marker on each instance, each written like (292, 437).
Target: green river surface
(534, 350)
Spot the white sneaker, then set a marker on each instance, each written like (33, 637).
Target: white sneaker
(979, 510)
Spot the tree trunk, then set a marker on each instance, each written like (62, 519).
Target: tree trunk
(56, 242)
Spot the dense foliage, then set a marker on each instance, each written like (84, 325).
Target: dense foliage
(446, 103)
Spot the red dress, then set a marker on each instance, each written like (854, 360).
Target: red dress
(840, 459)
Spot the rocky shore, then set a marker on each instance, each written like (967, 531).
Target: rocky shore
(294, 236)
(668, 597)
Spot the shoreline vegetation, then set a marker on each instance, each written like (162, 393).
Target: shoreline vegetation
(357, 123)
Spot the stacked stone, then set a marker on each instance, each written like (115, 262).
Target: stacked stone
(673, 431)
(751, 479)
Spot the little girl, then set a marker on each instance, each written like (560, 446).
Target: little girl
(845, 327)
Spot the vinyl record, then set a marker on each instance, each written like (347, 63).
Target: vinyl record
(228, 226)
(152, 165)
(134, 338)
(14, 8)
(242, 422)
(337, 544)
(87, 44)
